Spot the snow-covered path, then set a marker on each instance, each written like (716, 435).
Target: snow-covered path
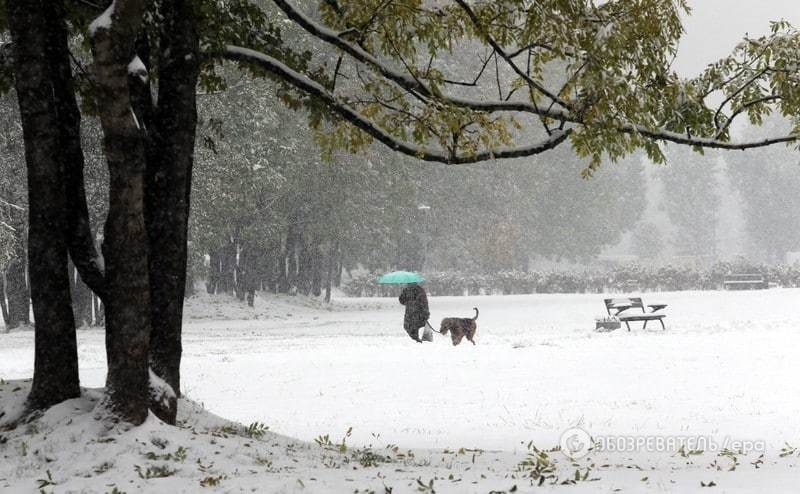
(726, 367)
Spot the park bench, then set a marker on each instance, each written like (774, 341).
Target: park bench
(745, 281)
(621, 305)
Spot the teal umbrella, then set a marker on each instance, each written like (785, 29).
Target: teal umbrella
(400, 278)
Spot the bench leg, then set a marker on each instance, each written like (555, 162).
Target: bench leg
(662, 324)
(627, 325)
(645, 324)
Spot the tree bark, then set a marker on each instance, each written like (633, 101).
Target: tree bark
(81, 299)
(81, 243)
(55, 375)
(168, 189)
(82, 252)
(17, 289)
(125, 241)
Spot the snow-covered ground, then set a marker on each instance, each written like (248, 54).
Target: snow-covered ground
(723, 375)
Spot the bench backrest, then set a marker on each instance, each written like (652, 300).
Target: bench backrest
(632, 302)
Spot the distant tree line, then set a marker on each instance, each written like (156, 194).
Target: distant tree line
(624, 279)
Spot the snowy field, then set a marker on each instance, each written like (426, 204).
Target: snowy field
(723, 374)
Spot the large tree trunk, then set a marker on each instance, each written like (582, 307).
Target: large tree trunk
(81, 241)
(125, 241)
(55, 375)
(82, 251)
(168, 188)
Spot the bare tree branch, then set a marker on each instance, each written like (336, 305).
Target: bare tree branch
(477, 77)
(352, 116)
(742, 109)
(665, 135)
(405, 81)
(744, 86)
(500, 51)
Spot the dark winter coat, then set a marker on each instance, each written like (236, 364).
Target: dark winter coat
(416, 302)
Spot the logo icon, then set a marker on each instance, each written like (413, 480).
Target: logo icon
(575, 443)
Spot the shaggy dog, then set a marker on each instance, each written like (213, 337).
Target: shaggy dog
(460, 327)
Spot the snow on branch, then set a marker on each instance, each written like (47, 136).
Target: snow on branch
(665, 135)
(316, 90)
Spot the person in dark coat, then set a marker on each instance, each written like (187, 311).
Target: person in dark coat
(417, 313)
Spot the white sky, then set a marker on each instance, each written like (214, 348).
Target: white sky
(716, 26)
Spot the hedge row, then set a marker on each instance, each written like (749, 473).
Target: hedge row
(633, 278)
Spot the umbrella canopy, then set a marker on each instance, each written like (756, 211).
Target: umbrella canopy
(400, 278)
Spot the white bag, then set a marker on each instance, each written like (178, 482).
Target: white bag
(427, 333)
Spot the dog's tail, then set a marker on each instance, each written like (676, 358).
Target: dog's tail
(476, 313)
